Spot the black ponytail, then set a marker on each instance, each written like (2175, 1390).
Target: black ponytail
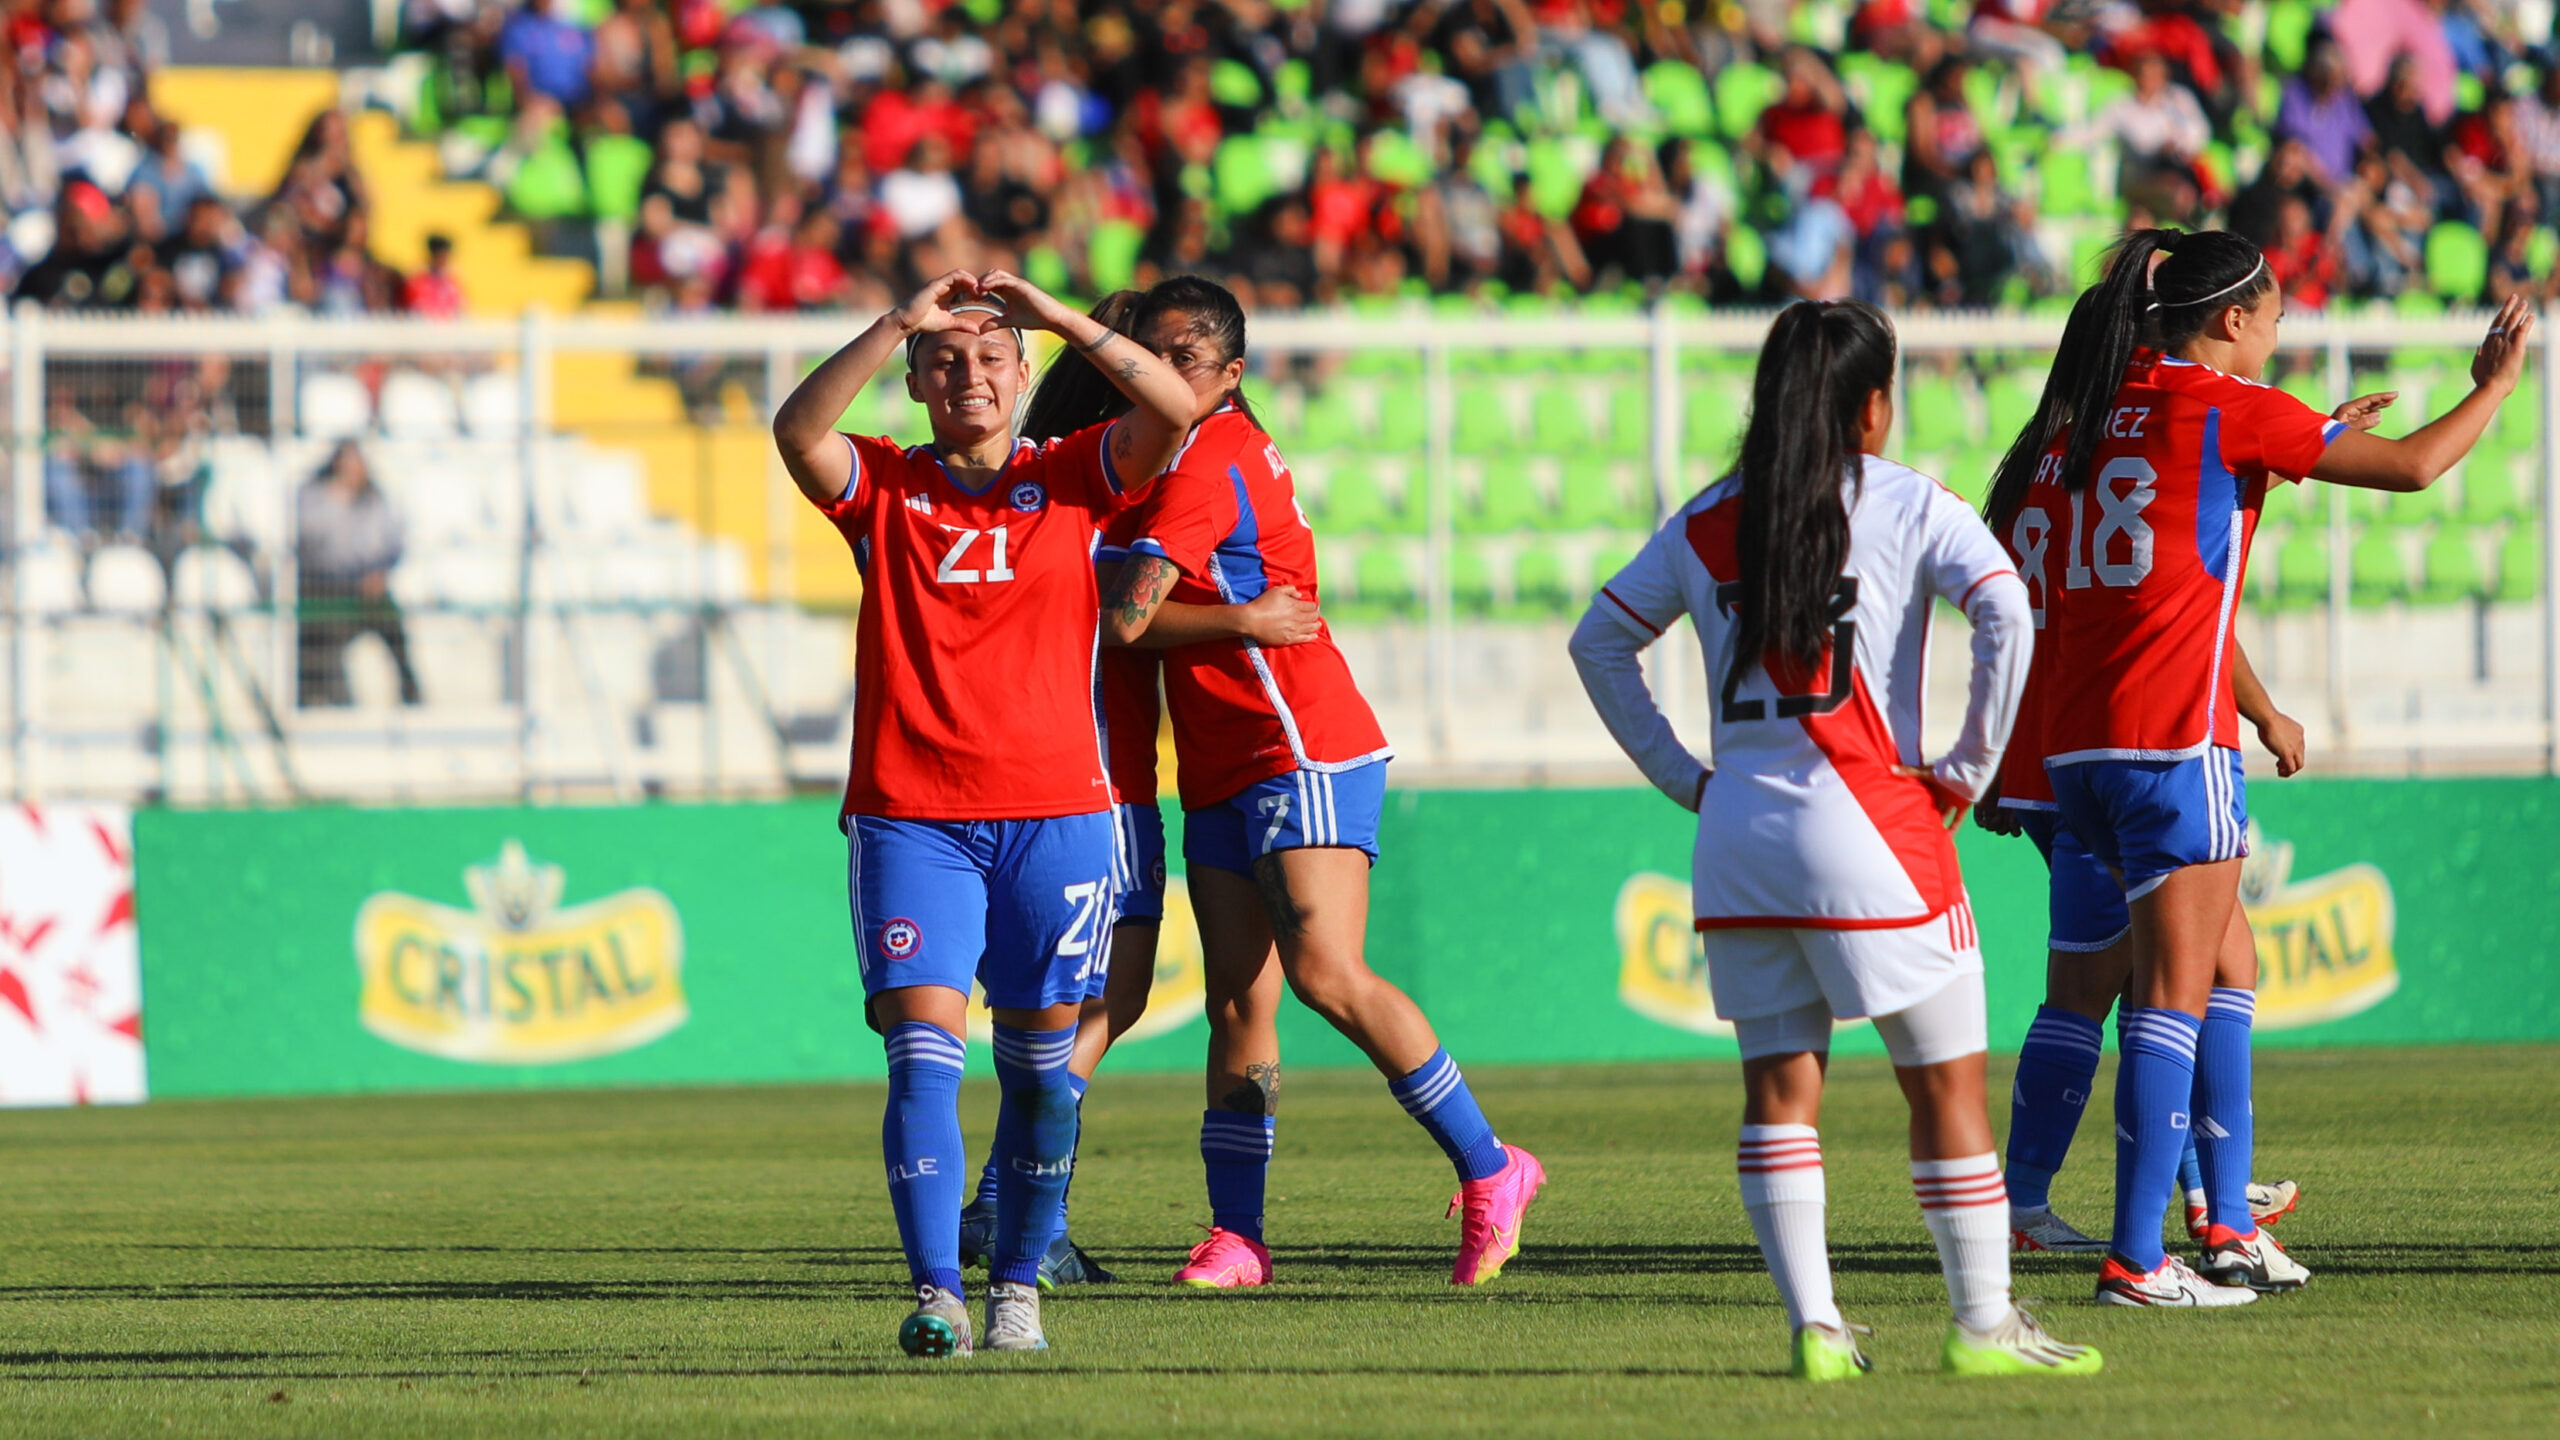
(1817, 368)
(2197, 276)
(1072, 394)
(1210, 312)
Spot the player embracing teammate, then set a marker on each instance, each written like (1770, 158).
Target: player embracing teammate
(2152, 450)
(978, 815)
(1826, 882)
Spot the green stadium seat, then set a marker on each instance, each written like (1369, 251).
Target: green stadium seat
(1539, 585)
(2068, 190)
(1508, 500)
(1982, 84)
(2299, 504)
(1679, 94)
(2488, 492)
(1631, 417)
(1396, 159)
(1241, 175)
(2453, 568)
(1882, 90)
(2415, 304)
(2416, 509)
(1933, 416)
(1746, 254)
(1592, 497)
(2302, 572)
(1404, 416)
(1384, 580)
(1293, 82)
(1235, 85)
(1742, 92)
(1327, 422)
(2289, 24)
(548, 185)
(1711, 420)
(1355, 502)
(2376, 571)
(1043, 266)
(2520, 564)
(617, 169)
(1559, 424)
(2009, 400)
(2457, 261)
(2262, 583)
(1112, 257)
(1613, 556)
(1471, 580)
(1484, 422)
(1555, 179)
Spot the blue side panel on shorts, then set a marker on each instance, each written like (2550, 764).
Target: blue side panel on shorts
(1301, 810)
(1022, 907)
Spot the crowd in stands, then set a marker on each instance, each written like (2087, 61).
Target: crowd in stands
(1914, 152)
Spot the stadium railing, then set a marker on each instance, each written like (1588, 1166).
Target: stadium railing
(607, 590)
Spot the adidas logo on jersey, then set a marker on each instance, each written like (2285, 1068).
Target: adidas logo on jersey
(921, 504)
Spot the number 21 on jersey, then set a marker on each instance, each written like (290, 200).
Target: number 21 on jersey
(950, 571)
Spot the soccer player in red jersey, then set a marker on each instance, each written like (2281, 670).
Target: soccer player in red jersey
(2151, 453)
(1826, 883)
(1283, 777)
(1071, 395)
(978, 810)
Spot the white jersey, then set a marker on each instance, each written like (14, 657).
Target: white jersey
(1803, 822)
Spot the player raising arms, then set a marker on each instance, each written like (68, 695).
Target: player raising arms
(2089, 949)
(1071, 394)
(1283, 777)
(978, 813)
(1826, 882)
(2143, 506)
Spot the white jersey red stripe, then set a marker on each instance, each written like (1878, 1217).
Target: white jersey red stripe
(1806, 821)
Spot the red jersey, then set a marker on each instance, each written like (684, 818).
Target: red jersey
(1132, 709)
(1227, 515)
(974, 652)
(2139, 573)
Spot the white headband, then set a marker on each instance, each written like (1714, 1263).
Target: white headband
(969, 307)
(2225, 290)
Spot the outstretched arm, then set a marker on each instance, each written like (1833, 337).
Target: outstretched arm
(2418, 459)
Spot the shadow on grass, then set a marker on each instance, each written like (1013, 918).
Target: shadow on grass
(188, 1367)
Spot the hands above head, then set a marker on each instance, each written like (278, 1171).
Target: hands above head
(929, 309)
(2500, 359)
(1026, 305)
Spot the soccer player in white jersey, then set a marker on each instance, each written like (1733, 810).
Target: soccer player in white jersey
(1826, 882)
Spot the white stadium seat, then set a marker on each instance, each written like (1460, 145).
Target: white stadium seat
(418, 407)
(48, 574)
(211, 577)
(127, 580)
(334, 407)
(492, 406)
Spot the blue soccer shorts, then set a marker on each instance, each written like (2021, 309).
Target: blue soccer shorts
(1023, 907)
(2144, 819)
(2085, 909)
(1302, 810)
(1142, 876)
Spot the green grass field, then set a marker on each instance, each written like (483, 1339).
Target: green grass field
(722, 1262)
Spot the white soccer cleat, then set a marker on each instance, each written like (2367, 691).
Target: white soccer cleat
(2254, 1261)
(2041, 1231)
(1013, 1317)
(939, 1328)
(2170, 1287)
(2270, 1203)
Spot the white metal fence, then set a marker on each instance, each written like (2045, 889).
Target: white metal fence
(606, 590)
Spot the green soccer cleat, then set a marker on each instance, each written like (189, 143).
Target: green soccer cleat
(2015, 1346)
(1826, 1352)
(939, 1328)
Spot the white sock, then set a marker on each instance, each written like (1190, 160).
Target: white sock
(1780, 1167)
(1967, 1207)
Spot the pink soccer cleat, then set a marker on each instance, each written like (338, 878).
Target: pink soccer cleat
(1490, 1235)
(1226, 1261)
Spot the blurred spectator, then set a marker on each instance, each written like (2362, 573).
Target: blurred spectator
(347, 538)
(1707, 213)
(433, 293)
(2511, 262)
(2406, 139)
(2160, 131)
(1981, 240)
(548, 54)
(1539, 252)
(2014, 30)
(1881, 268)
(2485, 161)
(1626, 218)
(1458, 223)
(2538, 133)
(1940, 133)
(1813, 256)
(2375, 35)
(2385, 246)
(1803, 134)
(2303, 259)
(2321, 111)
(83, 471)
(1490, 45)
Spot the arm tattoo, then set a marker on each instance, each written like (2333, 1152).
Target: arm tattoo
(1106, 337)
(1129, 370)
(1288, 922)
(1144, 579)
(1259, 1095)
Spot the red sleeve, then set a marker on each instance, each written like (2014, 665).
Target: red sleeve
(2265, 429)
(1077, 469)
(1183, 518)
(877, 459)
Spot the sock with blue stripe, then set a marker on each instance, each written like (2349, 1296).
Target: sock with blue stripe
(920, 1140)
(1235, 1150)
(2056, 1068)
(2153, 1090)
(1437, 1095)
(1036, 1141)
(2225, 1129)
(986, 1195)
(2190, 1165)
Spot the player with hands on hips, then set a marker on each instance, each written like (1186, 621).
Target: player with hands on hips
(1826, 883)
(977, 814)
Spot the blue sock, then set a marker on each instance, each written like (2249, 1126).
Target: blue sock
(927, 1160)
(1437, 1095)
(2191, 1164)
(1036, 1141)
(2153, 1090)
(2225, 1129)
(2056, 1068)
(1236, 1151)
(986, 1196)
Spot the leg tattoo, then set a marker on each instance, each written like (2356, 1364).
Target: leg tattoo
(1288, 922)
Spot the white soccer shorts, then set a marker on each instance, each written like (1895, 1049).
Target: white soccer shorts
(1768, 971)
